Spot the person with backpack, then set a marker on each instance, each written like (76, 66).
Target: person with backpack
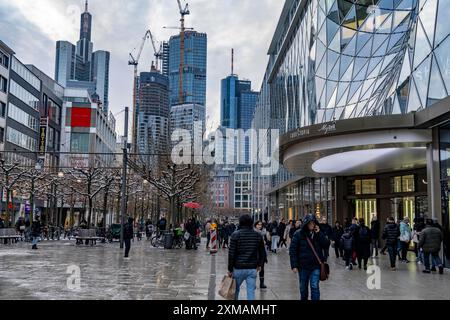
(275, 238)
(362, 243)
(347, 244)
(306, 250)
(391, 233)
(405, 238)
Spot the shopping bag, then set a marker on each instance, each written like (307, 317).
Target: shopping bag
(227, 288)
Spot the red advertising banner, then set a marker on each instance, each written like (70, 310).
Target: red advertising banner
(81, 117)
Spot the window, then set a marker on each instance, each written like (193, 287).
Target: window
(403, 184)
(2, 109)
(22, 117)
(79, 142)
(365, 186)
(54, 111)
(2, 135)
(20, 139)
(25, 74)
(51, 137)
(3, 84)
(24, 95)
(4, 60)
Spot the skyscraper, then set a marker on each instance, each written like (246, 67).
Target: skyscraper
(194, 73)
(153, 116)
(82, 64)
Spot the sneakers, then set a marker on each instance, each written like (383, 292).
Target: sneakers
(441, 269)
(426, 271)
(393, 269)
(433, 269)
(34, 247)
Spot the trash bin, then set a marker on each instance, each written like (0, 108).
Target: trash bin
(168, 240)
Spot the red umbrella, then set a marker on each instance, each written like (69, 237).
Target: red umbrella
(193, 205)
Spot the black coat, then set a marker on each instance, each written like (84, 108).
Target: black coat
(391, 233)
(336, 234)
(281, 229)
(375, 229)
(347, 241)
(362, 245)
(127, 231)
(246, 250)
(300, 252)
(36, 229)
(326, 230)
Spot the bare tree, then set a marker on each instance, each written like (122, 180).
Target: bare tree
(174, 183)
(31, 185)
(10, 175)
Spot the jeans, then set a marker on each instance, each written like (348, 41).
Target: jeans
(35, 240)
(275, 240)
(404, 249)
(392, 249)
(347, 256)
(375, 247)
(435, 257)
(127, 246)
(249, 276)
(312, 278)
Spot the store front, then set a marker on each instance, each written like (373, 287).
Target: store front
(444, 142)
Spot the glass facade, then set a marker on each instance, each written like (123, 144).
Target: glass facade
(340, 59)
(445, 186)
(194, 74)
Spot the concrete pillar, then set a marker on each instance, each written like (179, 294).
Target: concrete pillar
(433, 178)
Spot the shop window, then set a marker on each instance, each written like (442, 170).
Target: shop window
(403, 184)
(365, 186)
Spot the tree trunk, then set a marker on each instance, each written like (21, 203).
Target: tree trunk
(89, 212)
(105, 205)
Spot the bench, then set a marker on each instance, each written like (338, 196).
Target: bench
(9, 235)
(89, 236)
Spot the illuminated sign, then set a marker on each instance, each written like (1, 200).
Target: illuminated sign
(81, 117)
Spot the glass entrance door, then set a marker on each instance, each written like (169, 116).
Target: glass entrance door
(403, 207)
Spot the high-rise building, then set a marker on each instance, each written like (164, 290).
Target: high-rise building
(238, 102)
(81, 63)
(153, 117)
(359, 91)
(165, 58)
(194, 73)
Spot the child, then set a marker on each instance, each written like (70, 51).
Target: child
(347, 243)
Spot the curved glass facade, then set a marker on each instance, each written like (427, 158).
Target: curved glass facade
(339, 59)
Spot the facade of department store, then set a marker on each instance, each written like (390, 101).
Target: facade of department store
(360, 93)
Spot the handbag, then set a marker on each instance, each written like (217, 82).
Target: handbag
(228, 288)
(187, 236)
(324, 267)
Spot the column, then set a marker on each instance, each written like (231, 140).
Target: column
(433, 178)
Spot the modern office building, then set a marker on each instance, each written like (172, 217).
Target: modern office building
(195, 67)
(153, 117)
(89, 133)
(82, 64)
(238, 103)
(5, 65)
(359, 92)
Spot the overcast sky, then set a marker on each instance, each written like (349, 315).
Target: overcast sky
(31, 28)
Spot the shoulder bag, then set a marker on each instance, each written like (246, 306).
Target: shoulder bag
(324, 267)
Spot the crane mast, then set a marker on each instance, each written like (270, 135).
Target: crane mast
(183, 13)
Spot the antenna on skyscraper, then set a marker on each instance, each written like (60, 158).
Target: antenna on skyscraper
(232, 61)
(86, 6)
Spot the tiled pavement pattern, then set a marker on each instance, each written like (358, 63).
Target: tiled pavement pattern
(188, 275)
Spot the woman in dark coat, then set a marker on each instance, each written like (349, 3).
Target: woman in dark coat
(362, 242)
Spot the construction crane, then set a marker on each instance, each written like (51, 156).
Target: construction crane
(183, 12)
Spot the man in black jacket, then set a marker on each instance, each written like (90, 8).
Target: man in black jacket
(375, 234)
(281, 230)
(327, 231)
(128, 235)
(303, 258)
(245, 256)
(391, 233)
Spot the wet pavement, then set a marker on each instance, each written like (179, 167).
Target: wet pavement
(178, 274)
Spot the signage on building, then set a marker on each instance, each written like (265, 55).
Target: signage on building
(328, 127)
(80, 117)
(42, 139)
